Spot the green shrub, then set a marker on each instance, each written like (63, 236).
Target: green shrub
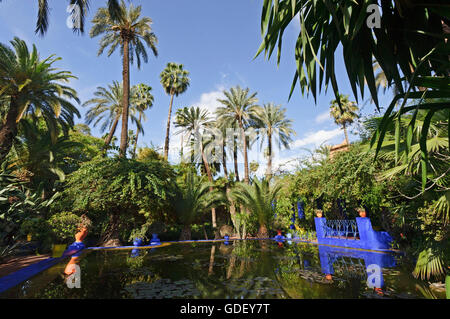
(64, 227)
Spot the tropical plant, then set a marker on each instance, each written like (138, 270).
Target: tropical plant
(195, 198)
(17, 204)
(239, 107)
(410, 45)
(175, 81)
(143, 100)
(64, 226)
(344, 113)
(117, 190)
(272, 123)
(129, 31)
(258, 197)
(42, 160)
(195, 121)
(33, 89)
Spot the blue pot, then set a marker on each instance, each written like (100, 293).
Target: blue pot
(155, 240)
(138, 242)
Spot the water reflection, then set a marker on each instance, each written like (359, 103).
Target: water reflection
(237, 269)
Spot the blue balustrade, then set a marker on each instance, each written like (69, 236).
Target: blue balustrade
(351, 233)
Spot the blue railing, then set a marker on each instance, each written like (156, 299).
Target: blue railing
(351, 233)
(341, 228)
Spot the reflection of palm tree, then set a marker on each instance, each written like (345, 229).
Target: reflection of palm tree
(344, 114)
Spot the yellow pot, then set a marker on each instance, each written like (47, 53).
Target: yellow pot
(29, 236)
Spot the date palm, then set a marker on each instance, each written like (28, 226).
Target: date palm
(142, 99)
(194, 199)
(344, 114)
(107, 109)
(175, 81)
(271, 120)
(31, 87)
(239, 107)
(130, 32)
(42, 22)
(258, 198)
(193, 121)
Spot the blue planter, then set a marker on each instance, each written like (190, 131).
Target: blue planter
(155, 240)
(138, 242)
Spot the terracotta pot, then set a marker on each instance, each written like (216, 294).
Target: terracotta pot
(362, 213)
(319, 213)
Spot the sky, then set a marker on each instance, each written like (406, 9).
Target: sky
(216, 41)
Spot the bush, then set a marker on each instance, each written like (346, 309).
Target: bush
(64, 227)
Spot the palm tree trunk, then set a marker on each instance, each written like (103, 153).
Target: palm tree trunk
(224, 159)
(208, 172)
(345, 133)
(235, 156)
(166, 143)
(126, 98)
(269, 160)
(181, 148)
(137, 136)
(8, 131)
(246, 173)
(262, 232)
(113, 130)
(186, 233)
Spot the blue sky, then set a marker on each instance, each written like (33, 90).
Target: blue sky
(215, 40)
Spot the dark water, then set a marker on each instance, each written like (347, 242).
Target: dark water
(241, 269)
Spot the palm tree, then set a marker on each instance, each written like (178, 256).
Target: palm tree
(107, 107)
(344, 114)
(193, 120)
(83, 5)
(239, 107)
(194, 199)
(31, 87)
(175, 81)
(272, 122)
(143, 100)
(258, 198)
(129, 31)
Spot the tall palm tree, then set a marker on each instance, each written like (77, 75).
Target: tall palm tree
(272, 122)
(344, 114)
(107, 107)
(31, 87)
(193, 121)
(258, 198)
(175, 81)
(129, 31)
(143, 100)
(239, 107)
(42, 22)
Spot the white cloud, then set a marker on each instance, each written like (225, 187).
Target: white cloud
(209, 100)
(323, 117)
(317, 138)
